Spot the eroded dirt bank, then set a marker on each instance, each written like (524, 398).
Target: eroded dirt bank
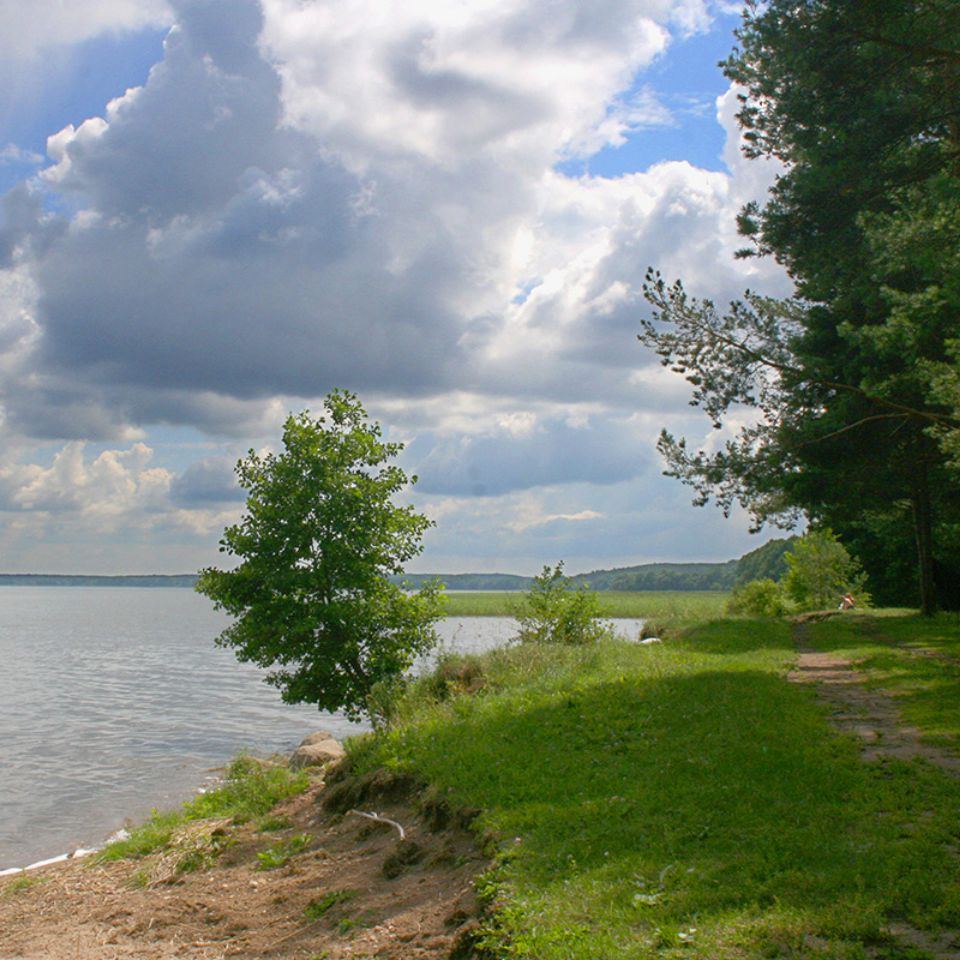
(355, 889)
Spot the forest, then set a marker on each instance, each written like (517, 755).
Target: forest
(852, 384)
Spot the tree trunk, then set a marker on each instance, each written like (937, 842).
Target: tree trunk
(923, 529)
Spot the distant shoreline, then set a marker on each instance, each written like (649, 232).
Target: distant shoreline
(765, 561)
(91, 580)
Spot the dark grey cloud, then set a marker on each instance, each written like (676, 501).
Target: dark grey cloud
(210, 482)
(239, 229)
(552, 452)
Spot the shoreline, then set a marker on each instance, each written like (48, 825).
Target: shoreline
(121, 833)
(77, 854)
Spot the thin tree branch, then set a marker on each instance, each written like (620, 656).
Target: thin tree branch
(853, 426)
(378, 819)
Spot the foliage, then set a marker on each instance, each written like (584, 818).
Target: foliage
(758, 598)
(821, 572)
(764, 563)
(630, 807)
(320, 538)
(250, 789)
(851, 381)
(552, 611)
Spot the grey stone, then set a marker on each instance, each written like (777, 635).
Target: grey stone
(317, 750)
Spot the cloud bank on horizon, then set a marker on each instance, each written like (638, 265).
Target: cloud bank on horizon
(393, 199)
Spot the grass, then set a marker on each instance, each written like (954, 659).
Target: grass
(250, 789)
(677, 606)
(682, 801)
(24, 881)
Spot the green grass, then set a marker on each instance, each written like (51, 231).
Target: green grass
(677, 606)
(681, 800)
(250, 789)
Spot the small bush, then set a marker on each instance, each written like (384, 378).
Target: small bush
(820, 571)
(554, 612)
(758, 598)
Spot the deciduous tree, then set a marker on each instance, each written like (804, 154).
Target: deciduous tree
(320, 537)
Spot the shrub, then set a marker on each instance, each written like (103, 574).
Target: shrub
(820, 571)
(554, 612)
(758, 598)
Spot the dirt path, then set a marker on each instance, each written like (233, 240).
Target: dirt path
(873, 717)
(355, 891)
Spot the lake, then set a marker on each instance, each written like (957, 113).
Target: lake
(114, 700)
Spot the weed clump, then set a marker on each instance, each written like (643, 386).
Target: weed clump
(282, 852)
(23, 882)
(319, 907)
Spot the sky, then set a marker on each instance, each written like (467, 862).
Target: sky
(213, 212)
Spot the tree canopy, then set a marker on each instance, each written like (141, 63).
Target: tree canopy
(853, 381)
(320, 537)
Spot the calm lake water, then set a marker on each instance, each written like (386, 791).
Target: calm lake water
(114, 700)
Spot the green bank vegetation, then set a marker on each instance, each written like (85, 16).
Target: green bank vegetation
(250, 790)
(684, 800)
(23, 881)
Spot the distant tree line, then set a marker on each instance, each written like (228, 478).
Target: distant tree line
(766, 562)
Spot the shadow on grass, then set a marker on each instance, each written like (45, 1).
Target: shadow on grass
(697, 797)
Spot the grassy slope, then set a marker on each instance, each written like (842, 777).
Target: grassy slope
(678, 606)
(684, 800)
